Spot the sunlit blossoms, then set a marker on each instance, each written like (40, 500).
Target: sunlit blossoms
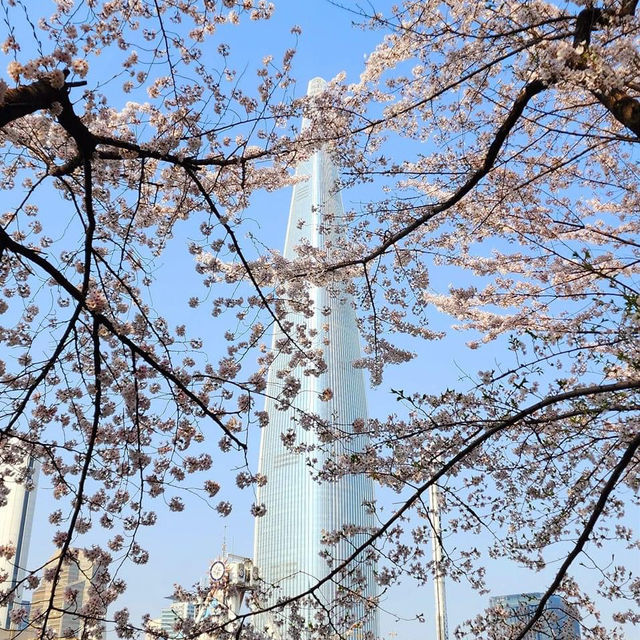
(492, 153)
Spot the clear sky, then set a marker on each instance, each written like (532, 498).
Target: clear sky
(183, 545)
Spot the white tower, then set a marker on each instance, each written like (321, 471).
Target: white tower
(438, 579)
(289, 552)
(18, 484)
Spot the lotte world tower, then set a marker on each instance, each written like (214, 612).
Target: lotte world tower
(290, 552)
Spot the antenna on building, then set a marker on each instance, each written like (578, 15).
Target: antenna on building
(224, 543)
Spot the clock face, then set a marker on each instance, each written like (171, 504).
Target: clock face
(217, 570)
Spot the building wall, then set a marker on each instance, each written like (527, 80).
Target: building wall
(16, 521)
(78, 575)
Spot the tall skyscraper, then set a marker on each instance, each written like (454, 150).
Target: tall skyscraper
(77, 591)
(16, 519)
(559, 621)
(289, 551)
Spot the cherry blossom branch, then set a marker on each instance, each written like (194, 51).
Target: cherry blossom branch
(379, 19)
(34, 257)
(461, 455)
(168, 48)
(247, 267)
(518, 417)
(5, 432)
(77, 507)
(623, 107)
(42, 94)
(526, 94)
(599, 507)
(181, 161)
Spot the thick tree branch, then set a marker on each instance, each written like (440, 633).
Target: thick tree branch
(42, 94)
(599, 507)
(589, 19)
(622, 107)
(586, 22)
(27, 99)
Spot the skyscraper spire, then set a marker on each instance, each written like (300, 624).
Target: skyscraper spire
(300, 510)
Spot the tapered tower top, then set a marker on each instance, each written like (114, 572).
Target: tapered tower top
(316, 86)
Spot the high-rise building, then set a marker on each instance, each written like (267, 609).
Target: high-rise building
(69, 610)
(559, 621)
(177, 611)
(18, 484)
(289, 552)
(170, 618)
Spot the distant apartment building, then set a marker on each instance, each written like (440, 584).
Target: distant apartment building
(559, 621)
(77, 593)
(170, 618)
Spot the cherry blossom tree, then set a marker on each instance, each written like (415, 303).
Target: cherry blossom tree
(97, 386)
(493, 144)
(501, 137)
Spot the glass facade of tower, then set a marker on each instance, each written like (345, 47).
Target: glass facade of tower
(289, 551)
(559, 622)
(16, 520)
